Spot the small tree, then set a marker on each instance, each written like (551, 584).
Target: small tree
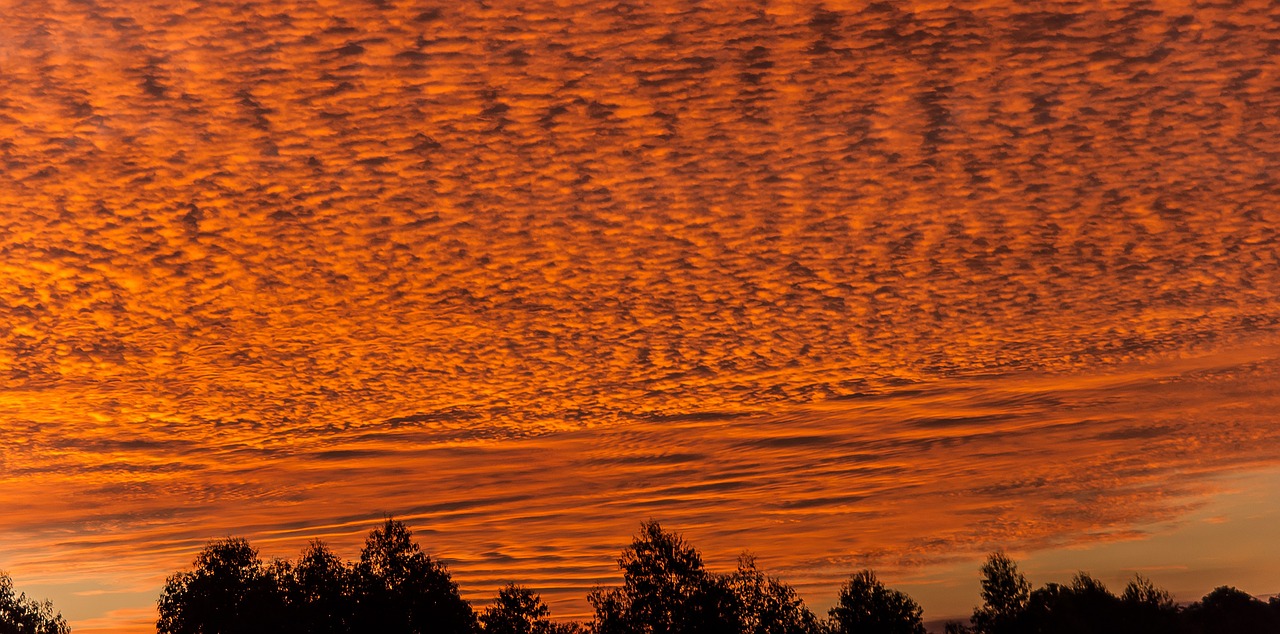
(866, 606)
(1005, 593)
(21, 615)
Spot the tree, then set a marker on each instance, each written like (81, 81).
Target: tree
(1147, 609)
(1085, 605)
(519, 610)
(22, 615)
(227, 591)
(665, 590)
(319, 590)
(1141, 592)
(1228, 610)
(403, 591)
(866, 606)
(764, 605)
(1005, 593)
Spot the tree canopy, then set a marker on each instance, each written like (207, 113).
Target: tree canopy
(396, 588)
(519, 610)
(20, 614)
(866, 606)
(665, 590)
(228, 590)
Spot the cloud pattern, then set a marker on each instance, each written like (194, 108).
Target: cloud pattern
(855, 282)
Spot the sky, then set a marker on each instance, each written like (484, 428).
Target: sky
(843, 284)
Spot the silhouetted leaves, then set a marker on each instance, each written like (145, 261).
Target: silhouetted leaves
(403, 590)
(21, 615)
(320, 592)
(1147, 609)
(866, 606)
(1227, 610)
(765, 605)
(395, 588)
(665, 590)
(519, 610)
(1087, 606)
(1005, 593)
(227, 591)
(1083, 606)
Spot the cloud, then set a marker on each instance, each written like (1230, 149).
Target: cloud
(549, 266)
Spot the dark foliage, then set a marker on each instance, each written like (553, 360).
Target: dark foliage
(22, 615)
(319, 592)
(1227, 610)
(519, 610)
(1087, 606)
(395, 588)
(400, 589)
(1083, 606)
(866, 606)
(665, 590)
(1005, 594)
(765, 605)
(228, 591)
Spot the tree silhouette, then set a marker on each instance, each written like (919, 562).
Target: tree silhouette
(320, 591)
(397, 589)
(866, 606)
(519, 610)
(1227, 610)
(403, 591)
(665, 590)
(227, 591)
(1083, 606)
(1147, 609)
(1005, 593)
(21, 615)
(765, 605)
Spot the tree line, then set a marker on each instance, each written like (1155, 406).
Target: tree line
(396, 588)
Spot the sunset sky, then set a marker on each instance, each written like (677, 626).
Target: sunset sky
(843, 284)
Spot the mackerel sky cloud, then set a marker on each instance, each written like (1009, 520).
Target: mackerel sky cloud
(840, 283)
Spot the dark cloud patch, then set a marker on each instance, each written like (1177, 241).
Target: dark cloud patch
(794, 442)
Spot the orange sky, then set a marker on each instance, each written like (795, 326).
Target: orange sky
(843, 284)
